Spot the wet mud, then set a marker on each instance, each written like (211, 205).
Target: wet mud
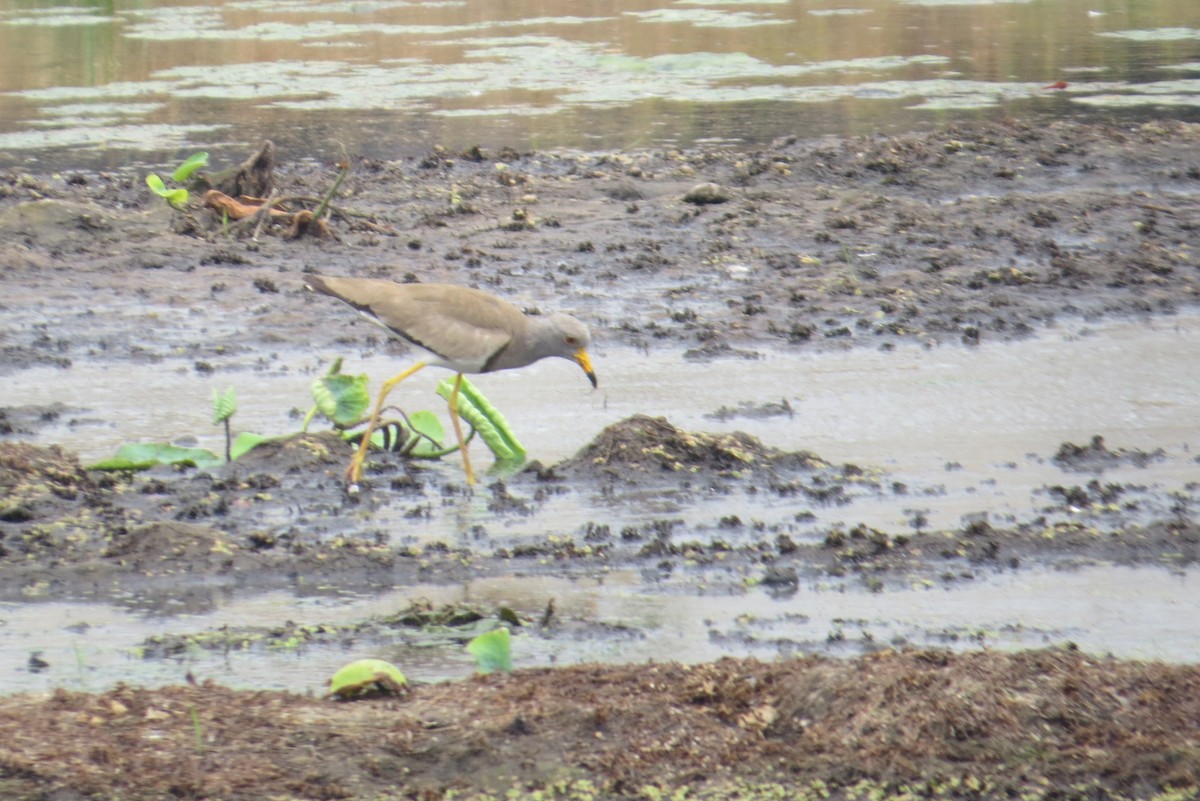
(984, 234)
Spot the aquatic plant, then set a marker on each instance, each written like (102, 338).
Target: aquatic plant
(343, 400)
(177, 196)
(224, 407)
(367, 677)
(492, 651)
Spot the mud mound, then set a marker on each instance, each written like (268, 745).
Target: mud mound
(1096, 457)
(145, 547)
(299, 453)
(646, 446)
(38, 482)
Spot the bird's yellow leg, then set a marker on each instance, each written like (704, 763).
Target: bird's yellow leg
(354, 471)
(462, 445)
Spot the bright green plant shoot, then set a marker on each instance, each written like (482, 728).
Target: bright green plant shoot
(492, 651)
(197, 730)
(177, 196)
(189, 166)
(224, 407)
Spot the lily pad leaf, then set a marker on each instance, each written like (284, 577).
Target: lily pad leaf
(142, 455)
(243, 442)
(367, 677)
(492, 651)
(430, 428)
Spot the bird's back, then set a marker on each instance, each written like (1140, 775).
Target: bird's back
(463, 328)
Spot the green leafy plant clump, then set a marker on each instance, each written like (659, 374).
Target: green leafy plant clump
(144, 455)
(343, 400)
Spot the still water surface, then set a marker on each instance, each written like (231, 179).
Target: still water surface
(1129, 612)
(110, 81)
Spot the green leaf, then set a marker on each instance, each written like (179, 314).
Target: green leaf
(224, 405)
(366, 676)
(492, 651)
(486, 419)
(342, 398)
(243, 442)
(176, 197)
(496, 419)
(141, 455)
(429, 446)
(185, 170)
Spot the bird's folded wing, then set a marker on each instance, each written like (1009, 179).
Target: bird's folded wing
(464, 328)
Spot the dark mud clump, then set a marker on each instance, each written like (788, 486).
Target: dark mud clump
(1038, 725)
(24, 420)
(43, 483)
(296, 454)
(1096, 457)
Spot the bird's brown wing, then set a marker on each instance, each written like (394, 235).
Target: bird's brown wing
(463, 326)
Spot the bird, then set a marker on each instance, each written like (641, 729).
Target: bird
(459, 328)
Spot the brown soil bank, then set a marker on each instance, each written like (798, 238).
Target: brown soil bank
(1048, 724)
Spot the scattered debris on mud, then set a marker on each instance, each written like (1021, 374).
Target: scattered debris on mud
(1036, 725)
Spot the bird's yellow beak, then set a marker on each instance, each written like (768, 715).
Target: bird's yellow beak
(584, 361)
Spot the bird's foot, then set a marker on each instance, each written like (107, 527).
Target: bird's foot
(353, 476)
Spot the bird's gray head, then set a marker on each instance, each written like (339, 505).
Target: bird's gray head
(563, 335)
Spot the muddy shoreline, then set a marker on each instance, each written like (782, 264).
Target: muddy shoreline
(988, 234)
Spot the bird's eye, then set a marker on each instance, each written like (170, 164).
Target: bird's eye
(572, 340)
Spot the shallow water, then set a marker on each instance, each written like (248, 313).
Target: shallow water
(102, 82)
(1131, 613)
(968, 428)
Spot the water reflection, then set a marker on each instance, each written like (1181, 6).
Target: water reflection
(617, 74)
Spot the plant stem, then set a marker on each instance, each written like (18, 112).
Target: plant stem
(345, 165)
(197, 730)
